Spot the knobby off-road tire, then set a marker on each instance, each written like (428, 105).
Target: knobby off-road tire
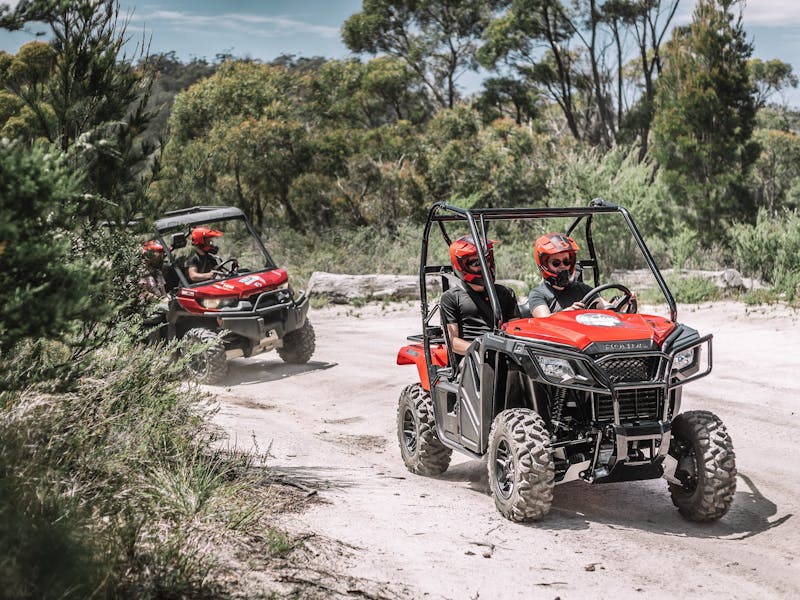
(706, 466)
(209, 366)
(520, 464)
(298, 345)
(422, 451)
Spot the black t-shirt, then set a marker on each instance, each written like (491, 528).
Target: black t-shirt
(556, 300)
(203, 264)
(472, 310)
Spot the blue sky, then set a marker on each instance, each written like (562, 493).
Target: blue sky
(267, 28)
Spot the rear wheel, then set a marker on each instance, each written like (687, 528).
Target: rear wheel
(422, 451)
(298, 345)
(521, 471)
(706, 466)
(210, 364)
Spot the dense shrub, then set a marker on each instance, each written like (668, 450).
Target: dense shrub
(770, 250)
(116, 488)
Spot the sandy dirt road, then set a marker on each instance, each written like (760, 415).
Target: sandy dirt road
(331, 426)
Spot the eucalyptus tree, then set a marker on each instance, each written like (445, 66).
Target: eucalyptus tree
(437, 39)
(596, 59)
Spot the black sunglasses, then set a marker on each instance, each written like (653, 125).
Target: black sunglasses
(473, 263)
(557, 263)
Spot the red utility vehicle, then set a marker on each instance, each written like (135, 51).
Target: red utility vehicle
(586, 394)
(249, 307)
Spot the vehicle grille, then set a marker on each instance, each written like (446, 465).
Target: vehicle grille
(633, 404)
(630, 368)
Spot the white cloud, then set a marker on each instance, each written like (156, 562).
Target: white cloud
(772, 12)
(241, 22)
(765, 13)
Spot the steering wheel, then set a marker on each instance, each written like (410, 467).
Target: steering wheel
(223, 268)
(626, 299)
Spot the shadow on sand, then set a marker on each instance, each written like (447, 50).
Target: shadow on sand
(248, 372)
(644, 505)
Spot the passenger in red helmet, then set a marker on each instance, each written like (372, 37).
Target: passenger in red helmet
(152, 283)
(201, 266)
(556, 256)
(467, 311)
(152, 288)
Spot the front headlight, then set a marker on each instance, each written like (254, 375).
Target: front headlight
(555, 368)
(284, 292)
(685, 359)
(221, 302)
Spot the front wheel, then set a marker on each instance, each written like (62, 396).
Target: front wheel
(298, 345)
(706, 466)
(422, 451)
(521, 470)
(208, 365)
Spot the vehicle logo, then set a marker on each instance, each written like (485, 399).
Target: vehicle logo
(256, 280)
(598, 320)
(621, 346)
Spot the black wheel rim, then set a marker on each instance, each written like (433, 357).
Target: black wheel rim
(198, 365)
(504, 470)
(409, 431)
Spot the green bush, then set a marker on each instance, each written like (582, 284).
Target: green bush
(116, 488)
(691, 290)
(770, 250)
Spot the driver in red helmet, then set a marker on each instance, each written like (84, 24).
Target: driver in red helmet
(201, 266)
(555, 255)
(467, 311)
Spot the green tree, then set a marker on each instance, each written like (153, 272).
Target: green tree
(777, 170)
(507, 97)
(705, 115)
(50, 286)
(580, 55)
(501, 164)
(349, 93)
(82, 93)
(239, 137)
(437, 39)
(770, 77)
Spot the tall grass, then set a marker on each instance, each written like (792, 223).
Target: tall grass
(119, 488)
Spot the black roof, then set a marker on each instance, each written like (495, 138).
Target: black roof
(196, 215)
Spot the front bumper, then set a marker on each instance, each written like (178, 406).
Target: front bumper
(256, 325)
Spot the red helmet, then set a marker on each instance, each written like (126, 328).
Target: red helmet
(201, 237)
(153, 253)
(461, 251)
(152, 246)
(553, 243)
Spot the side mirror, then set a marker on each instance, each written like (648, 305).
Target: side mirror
(178, 241)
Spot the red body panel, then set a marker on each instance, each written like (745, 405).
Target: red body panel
(414, 354)
(238, 287)
(579, 328)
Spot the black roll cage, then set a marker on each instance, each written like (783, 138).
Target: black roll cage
(179, 219)
(477, 219)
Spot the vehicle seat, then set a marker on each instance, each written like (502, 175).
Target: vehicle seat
(524, 308)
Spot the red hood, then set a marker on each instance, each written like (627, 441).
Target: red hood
(241, 286)
(579, 328)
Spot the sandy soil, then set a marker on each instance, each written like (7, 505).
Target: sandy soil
(382, 532)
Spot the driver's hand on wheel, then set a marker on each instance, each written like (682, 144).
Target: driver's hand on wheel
(576, 306)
